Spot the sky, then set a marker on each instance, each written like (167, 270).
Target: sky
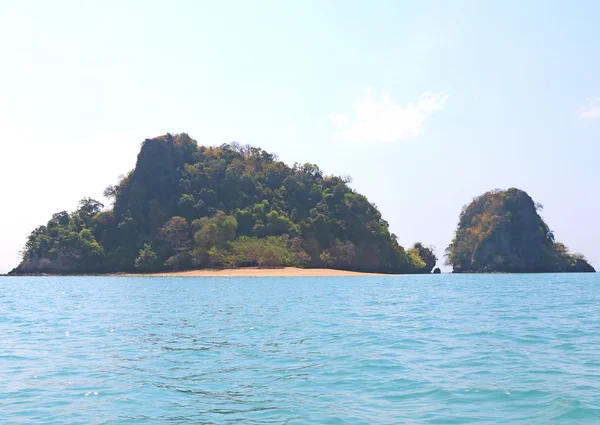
(425, 104)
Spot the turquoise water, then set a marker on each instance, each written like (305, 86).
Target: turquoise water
(448, 349)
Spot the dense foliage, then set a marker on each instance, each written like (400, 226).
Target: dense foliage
(501, 231)
(188, 206)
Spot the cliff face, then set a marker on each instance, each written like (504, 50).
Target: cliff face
(501, 231)
(188, 206)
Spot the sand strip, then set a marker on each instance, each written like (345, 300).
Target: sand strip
(257, 272)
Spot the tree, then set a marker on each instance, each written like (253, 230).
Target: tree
(147, 259)
(90, 207)
(272, 251)
(110, 192)
(176, 233)
(213, 233)
(186, 205)
(427, 255)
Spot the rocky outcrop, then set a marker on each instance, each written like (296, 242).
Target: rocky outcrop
(502, 231)
(44, 265)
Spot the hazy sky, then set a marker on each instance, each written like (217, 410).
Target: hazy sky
(424, 104)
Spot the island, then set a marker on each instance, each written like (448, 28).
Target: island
(502, 231)
(190, 207)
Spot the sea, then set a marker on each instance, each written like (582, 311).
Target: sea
(434, 349)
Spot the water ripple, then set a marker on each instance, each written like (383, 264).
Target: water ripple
(450, 349)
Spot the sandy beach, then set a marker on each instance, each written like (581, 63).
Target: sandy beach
(258, 272)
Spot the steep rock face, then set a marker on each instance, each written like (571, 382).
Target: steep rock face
(501, 231)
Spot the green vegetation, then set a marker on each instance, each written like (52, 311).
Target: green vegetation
(187, 206)
(501, 231)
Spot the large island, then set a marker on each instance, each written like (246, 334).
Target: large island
(187, 207)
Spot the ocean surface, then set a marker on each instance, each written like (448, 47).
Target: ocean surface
(437, 349)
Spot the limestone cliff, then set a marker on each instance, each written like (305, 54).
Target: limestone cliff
(502, 231)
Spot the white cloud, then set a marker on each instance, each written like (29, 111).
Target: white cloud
(591, 110)
(339, 120)
(383, 120)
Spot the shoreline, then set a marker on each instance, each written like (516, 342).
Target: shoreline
(255, 272)
(236, 272)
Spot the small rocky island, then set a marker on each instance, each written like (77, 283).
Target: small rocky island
(186, 206)
(502, 231)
